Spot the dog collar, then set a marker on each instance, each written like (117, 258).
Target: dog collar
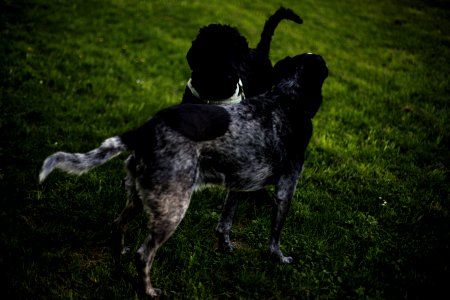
(237, 97)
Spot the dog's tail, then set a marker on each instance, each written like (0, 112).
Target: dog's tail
(79, 163)
(270, 25)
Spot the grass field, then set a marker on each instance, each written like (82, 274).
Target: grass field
(370, 217)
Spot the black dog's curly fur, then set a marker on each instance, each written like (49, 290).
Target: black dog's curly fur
(220, 56)
(260, 141)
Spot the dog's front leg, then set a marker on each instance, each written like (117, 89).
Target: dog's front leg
(226, 221)
(279, 214)
(284, 192)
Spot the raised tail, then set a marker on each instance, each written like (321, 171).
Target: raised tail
(79, 163)
(272, 23)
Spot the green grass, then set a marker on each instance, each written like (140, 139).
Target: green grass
(369, 220)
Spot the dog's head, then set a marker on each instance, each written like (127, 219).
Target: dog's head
(301, 78)
(213, 58)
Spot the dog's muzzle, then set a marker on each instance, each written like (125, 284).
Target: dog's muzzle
(237, 97)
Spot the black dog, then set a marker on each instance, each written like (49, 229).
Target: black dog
(224, 68)
(243, 147)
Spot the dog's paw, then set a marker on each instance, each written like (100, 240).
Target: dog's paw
(279, 257)
(119, 250)
(151, 293)
(226, 247)
(286, 259)
(125, 250)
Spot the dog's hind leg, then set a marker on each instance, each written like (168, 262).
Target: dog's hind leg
(226, 221)
(132, 208)
(144, 261)
(166, 210)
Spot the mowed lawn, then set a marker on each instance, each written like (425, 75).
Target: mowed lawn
(369, 219)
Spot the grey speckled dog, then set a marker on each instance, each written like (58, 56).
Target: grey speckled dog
(260, 141)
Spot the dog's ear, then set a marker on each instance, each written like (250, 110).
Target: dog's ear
(197, 122)
(314, 73)
(301, 77)
(282, 69)
(316, 67)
